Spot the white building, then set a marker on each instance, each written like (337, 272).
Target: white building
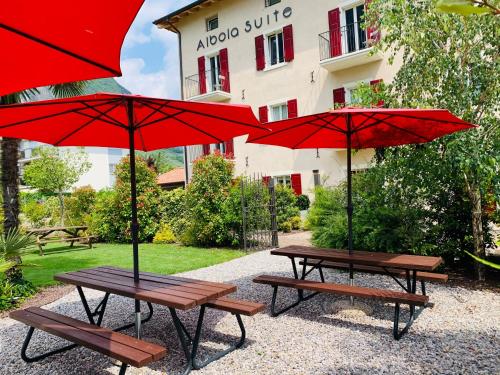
(285, 58)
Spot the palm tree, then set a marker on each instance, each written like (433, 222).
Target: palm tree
(10, 152)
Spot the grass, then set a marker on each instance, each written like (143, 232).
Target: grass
(164, 259)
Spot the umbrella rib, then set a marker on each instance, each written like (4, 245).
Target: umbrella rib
(200, 130)
(433, 119)
(59, 49)
(314, 132)
(140, 123)
(45, 117)
(156, 110)
(372, 124)
(142, 140)
(57, 102)
(212, 116)
(110, 119)
(83, 126)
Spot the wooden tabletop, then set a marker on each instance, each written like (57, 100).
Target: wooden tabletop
(55, 229)
(172, 291)
(403, 261)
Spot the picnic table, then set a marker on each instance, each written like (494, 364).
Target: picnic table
(174, 292)
(409, 267)
(72, 234)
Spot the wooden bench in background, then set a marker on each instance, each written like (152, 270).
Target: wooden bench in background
(396, 272)
(126, 349)
(395, 297)
(70, 234)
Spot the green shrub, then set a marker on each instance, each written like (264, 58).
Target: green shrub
(173, 210)
(285, 227)
(37, 213)
(165, 235)
(295, 222)
(80, 204)
(13, 293)
(303, 202)
(112, 217)
(205, 197)
(286, 205)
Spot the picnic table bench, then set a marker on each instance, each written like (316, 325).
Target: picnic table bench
(174, 292)
(411, 267)
(126, 349)
(71, 234)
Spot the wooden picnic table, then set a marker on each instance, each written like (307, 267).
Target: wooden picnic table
(174, 292)
(73, 232)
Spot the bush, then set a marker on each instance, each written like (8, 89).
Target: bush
(205, 197)
(37, 213)
(112, 217)
(286, 205)
(165, 235)
(285, 227)
(295, 222)
(80, 204)
(303, 202)
(173, 210)
(13, 293)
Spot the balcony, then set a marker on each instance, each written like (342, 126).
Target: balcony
(346, 47)
(212, 88)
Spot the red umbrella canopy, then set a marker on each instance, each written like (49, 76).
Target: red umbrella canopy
(57, 41)
(105, 120)
(369, 128)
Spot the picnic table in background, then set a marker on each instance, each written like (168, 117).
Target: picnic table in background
(409, 267)
(70, 234)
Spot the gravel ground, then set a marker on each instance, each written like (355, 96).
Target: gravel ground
(459, 335)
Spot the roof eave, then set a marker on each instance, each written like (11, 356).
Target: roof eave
(168, 21)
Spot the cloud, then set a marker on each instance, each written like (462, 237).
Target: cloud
(137, 75)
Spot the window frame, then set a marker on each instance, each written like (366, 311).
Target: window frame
(280, 61)
(270, 113)
(210, 19)
(270, 3)
(213, 80)
(286, 178)
(353, 5)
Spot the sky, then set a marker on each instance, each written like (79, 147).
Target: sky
(150, 60)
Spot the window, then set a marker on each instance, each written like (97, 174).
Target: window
(278, 112)
(275, 48)
(270, 3)
(214, 76)
(112, 169)
(317, 178)
(212, 23)
(283, 180)
(355, 34)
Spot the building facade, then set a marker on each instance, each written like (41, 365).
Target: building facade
(284, 58)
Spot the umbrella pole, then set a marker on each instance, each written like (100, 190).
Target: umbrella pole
(349, 199)
(133, 203)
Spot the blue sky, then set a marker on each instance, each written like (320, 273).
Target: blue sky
(149, 62)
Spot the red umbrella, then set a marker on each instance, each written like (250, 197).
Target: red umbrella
(357, 128)
(126, 121)
(57, 41)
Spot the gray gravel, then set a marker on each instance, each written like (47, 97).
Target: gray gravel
(459, 335)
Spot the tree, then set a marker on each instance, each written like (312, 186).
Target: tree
(10, 152)
(452, 62)
(56, 171)
(468, 7)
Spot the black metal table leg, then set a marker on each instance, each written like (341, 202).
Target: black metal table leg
(26, 343)
(296, 275)
(182, 338)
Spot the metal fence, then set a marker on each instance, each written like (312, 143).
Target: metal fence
(353, 37)
(258, 205)
(192, 84)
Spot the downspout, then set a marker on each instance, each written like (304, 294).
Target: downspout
(181, 73)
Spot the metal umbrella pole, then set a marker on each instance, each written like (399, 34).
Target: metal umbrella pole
(133, 203)
(349, 199)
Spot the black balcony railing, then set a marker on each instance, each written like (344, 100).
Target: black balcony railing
(213, 81)
(346, 39)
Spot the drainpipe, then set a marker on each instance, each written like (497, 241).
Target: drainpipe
(181, 74)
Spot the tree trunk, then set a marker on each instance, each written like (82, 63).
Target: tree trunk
(10, 194)
(10, 183)
(477, 231)
(61, 206)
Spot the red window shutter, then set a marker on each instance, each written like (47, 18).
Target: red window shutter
(292, 108)
(375, 86)
(206, 149)
(339, 96)
(224, 70)
(335, 32)
(372, 33)
(202, 75)
(229, 146)
(288, 43)
(296, 180)
(263, 114)
(259, 52)
(266, 180)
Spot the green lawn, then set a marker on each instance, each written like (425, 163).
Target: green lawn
(165, 259)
